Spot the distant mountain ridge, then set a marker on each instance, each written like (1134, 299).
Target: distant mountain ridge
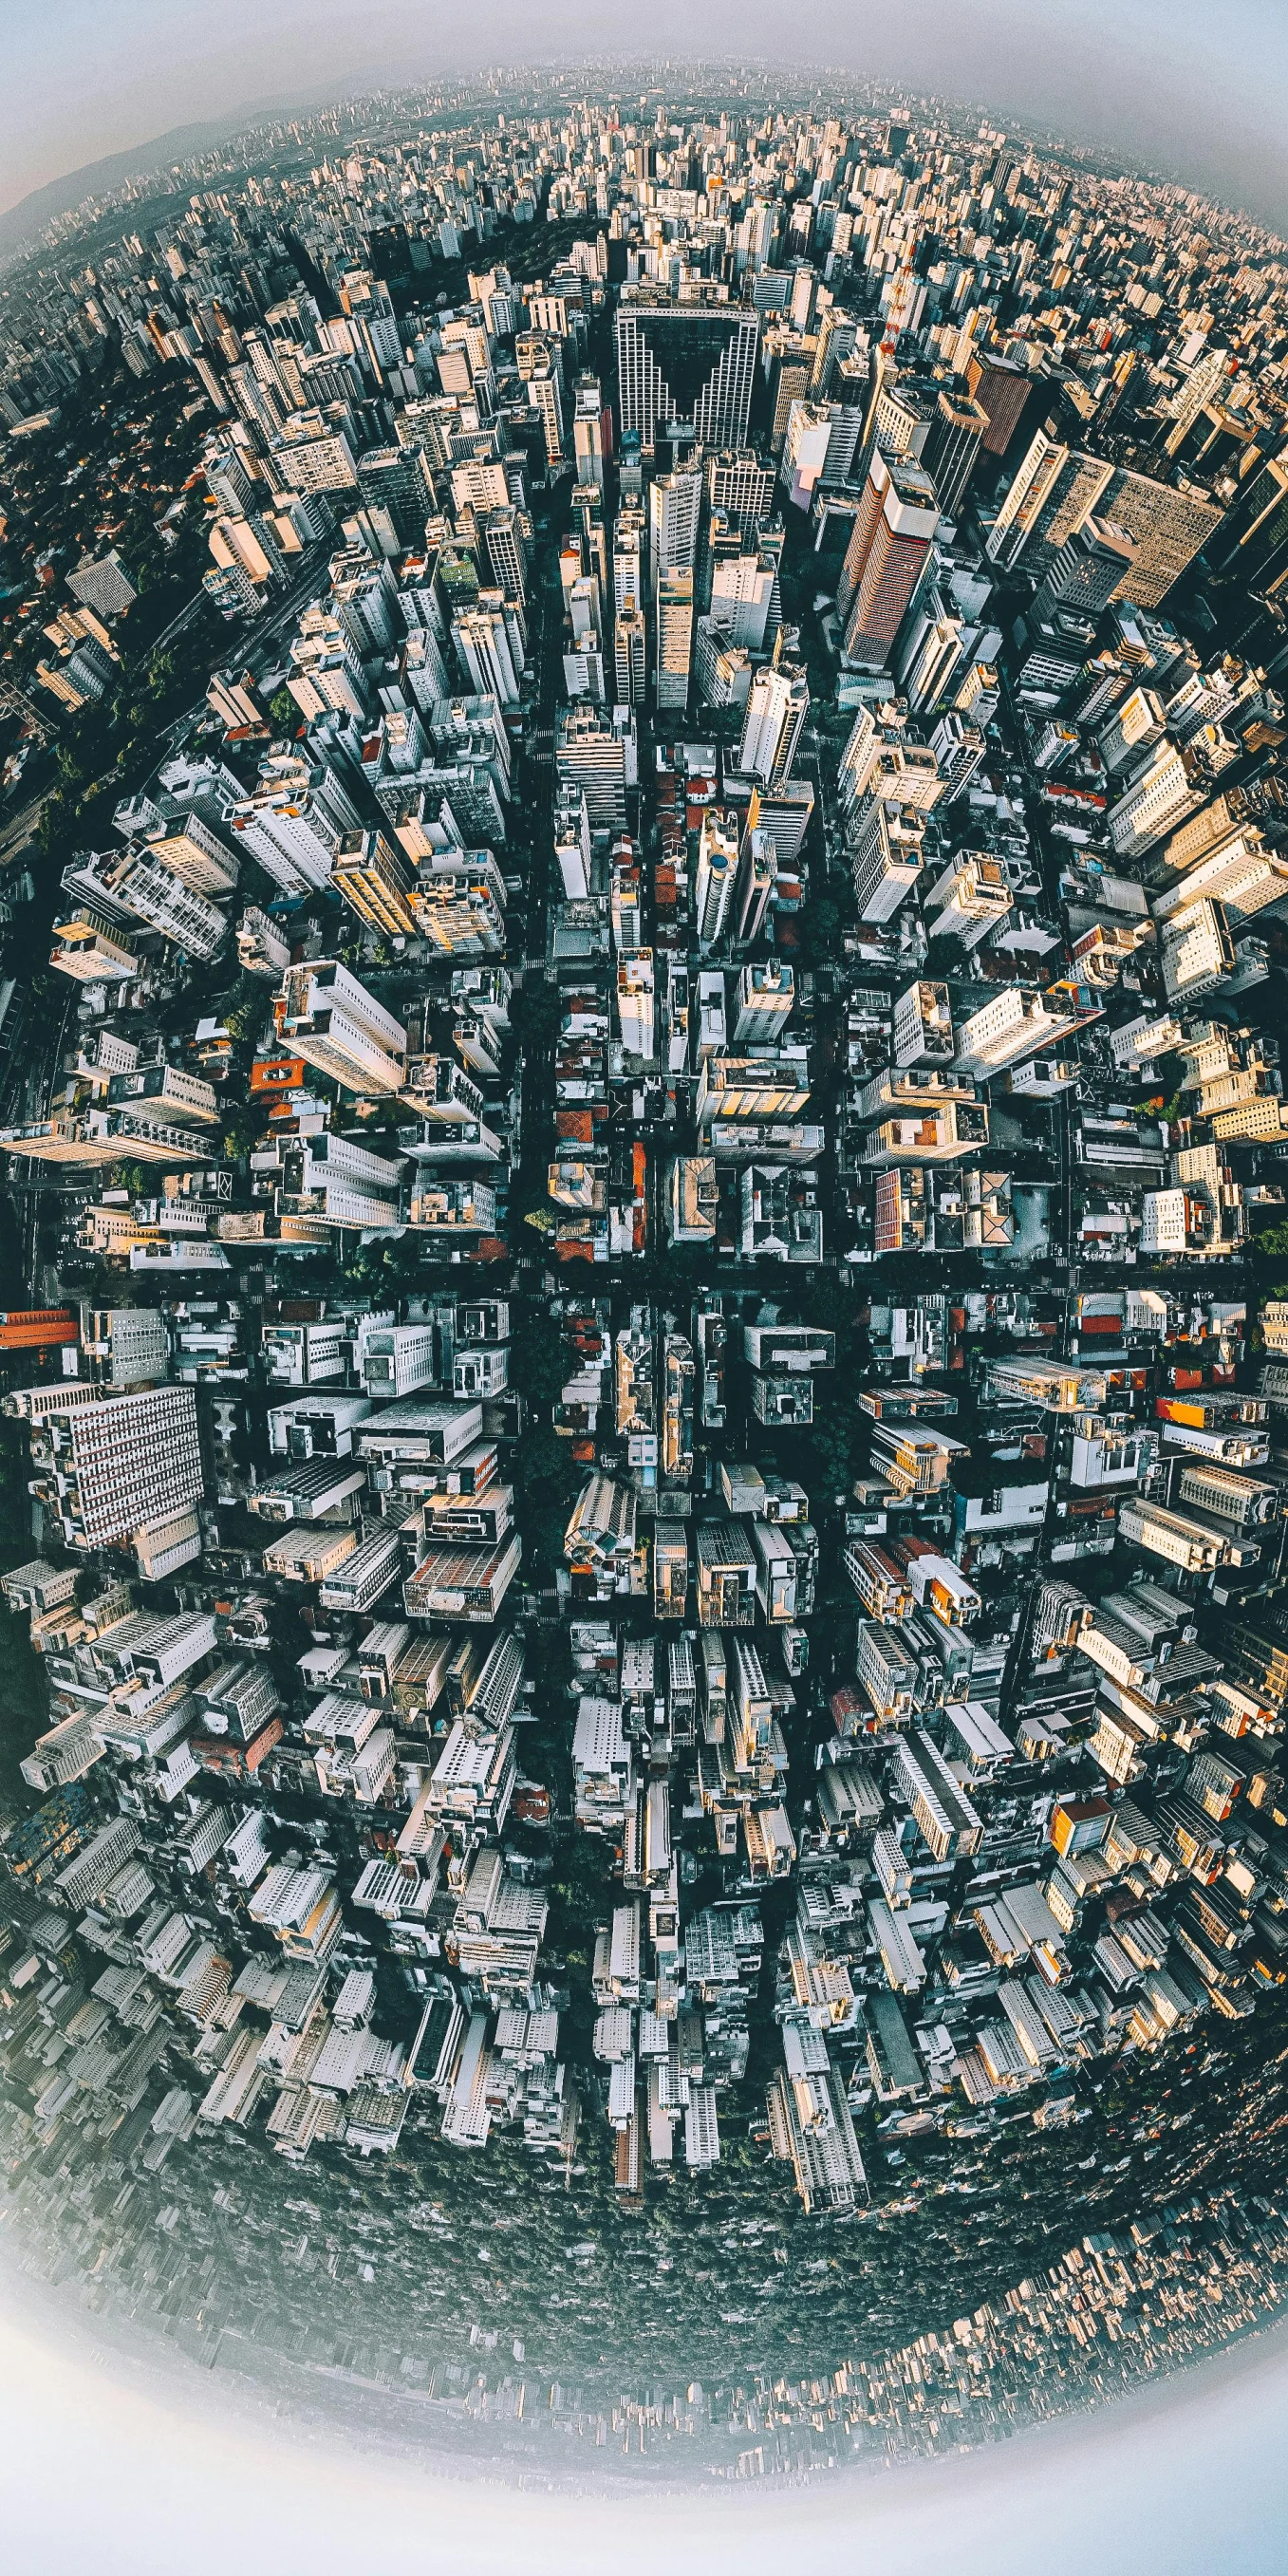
(23, 224)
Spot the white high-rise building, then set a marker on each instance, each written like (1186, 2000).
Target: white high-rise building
(926, 664)
(125, 1345)
(459, 902)
(294, 821)
(958, 749)
(1040, 469)
(194, 854)
(765, 998)
(629, 566)
(971, 899)
(715, 875)
(1015, 1024)
(744, 590)
(1131, 730)
(805, 451)
(774, 1083)
(1197, 951)
(572, 841)
(335, 1182)
(885, 859)
(484, 648)
(757, 883)
(741, 488)
(777, 707)
(923, 1026)
(597, 751)
(858, 760)
(1160, 797)
(587, 432)
(546, 399)
(694, 361)
(325, 1015)
(674, 510)
(1245, 874)
(164, 903)
(636, 1003)
(721, 668)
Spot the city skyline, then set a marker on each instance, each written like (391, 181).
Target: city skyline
(1180, 97)
(161, 2457)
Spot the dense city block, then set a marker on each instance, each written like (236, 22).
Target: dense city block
(645, 862)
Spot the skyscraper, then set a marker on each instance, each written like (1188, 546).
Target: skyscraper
(1089, 568)
(106, 1470)
(596, 751)
(374, 877)
(1016, 1024)
(691, 364)
(754, 889)
(776, 711)
(545, 398)
(630, 658)
(742, 489)
(885, 558)
(483, 643)
(1253, 544)
(765, 998)
(396, 479)
(635, 1003)
(1035, 478)
(294, 821)
(459, 902)
(587, 431)
(506, 535)
(1002, 391)
(628, 558)
(324, 1014)
(674, 640)
(715, 875)
(957, 434)
(1161, 795)
(1056, 491)
(743, 592)
(885, 858)
(674, 506)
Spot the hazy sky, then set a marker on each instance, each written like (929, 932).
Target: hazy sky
(1201, 85)
(140, 2478)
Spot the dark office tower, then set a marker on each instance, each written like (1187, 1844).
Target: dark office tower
(1087, 570)
(1055, 492)
(1260, 1651)
(395, 479)
(885, 558)
(1002, 390)
(1253, 544)
(952, 448)
(689, 366)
